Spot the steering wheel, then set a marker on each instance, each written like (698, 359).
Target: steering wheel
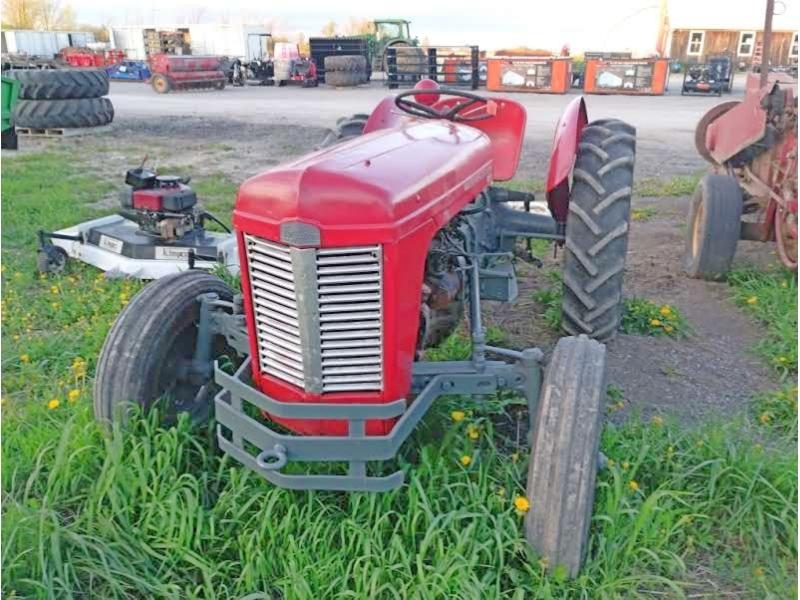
(417, 109)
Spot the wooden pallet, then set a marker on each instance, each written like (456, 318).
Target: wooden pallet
(59, 132)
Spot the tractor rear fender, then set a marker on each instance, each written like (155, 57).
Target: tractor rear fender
(505, 128)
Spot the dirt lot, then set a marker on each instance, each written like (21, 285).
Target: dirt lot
(239, 132)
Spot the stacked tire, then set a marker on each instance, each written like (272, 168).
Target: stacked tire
(62, 98)
(346, 70)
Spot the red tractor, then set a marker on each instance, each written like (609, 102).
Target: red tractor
(177, 72)
(358, 257)
(752, 192)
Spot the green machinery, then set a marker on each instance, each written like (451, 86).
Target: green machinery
(10, 94)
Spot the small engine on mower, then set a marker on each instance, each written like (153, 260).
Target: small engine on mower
(360, 256)
(159, 229)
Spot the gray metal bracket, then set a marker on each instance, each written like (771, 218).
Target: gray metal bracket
(237, 430)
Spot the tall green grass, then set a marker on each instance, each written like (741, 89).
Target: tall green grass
(148, 512)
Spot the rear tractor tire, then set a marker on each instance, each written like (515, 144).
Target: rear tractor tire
(597, 229)
(565, 452)
(148, 351)
(346, 129)
(715, 222)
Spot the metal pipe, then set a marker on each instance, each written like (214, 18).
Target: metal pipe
(766, 42)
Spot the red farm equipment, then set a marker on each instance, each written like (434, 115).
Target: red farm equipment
(358, 257)
(752, 192)
(175, 72)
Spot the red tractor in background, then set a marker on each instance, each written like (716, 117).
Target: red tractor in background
(752, 192)
(354, 260)
(752, 147)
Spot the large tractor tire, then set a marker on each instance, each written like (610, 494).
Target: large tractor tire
(346, 128)
(597, 229)
(57, 84)
(149, 347)
(346, 62)
(565, 451)
(47, 114)
(344, 78)
(715, 222)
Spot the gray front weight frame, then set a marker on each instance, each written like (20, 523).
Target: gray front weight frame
(431, 380)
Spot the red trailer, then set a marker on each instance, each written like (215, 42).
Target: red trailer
(172, 72)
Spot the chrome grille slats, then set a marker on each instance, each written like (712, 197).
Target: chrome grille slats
(319, 320)
(275, 310)
(351, 320)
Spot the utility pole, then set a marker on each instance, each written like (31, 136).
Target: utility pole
(765, 42)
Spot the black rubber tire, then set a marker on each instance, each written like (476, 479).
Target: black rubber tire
(45, 114)
(346, 62)
(597, 229)
(346, 128)
(715, 222)
(160, 84)
(139, 355)
(565, 451)
(344, 78)
(51, 259)
(60, 84)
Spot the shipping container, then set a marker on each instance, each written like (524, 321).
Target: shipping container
(43, 43)
(243, 41)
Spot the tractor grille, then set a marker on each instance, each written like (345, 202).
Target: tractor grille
(349, 287)
(318, 315)
(275, 309)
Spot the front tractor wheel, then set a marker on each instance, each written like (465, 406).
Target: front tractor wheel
(149, 354)
(597, 229)
(715, 222)
(564, 452)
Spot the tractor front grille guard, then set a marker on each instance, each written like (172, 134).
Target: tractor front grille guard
(237, 431)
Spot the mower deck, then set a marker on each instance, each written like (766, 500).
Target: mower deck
(116, 245)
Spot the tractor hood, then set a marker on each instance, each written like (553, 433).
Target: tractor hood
(388, 182)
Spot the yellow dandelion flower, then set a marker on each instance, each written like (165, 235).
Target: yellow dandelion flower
(633, 485)
(657, 420)
(752, 300)
(665, 311)
(473, 432)
(783, 359)
(25, 358)
(759, 572)
(669, 328)
(54, 305)
(15, 337)
(74, 395)
(521, 504)
(764, 418)
(626, 465)
(655, 322)
(53, 404)
(457, 416)
(465, 460)
(54, 289)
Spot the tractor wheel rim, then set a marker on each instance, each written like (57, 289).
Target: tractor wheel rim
(786, 236)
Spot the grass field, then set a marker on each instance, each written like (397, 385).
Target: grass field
(158, 513)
